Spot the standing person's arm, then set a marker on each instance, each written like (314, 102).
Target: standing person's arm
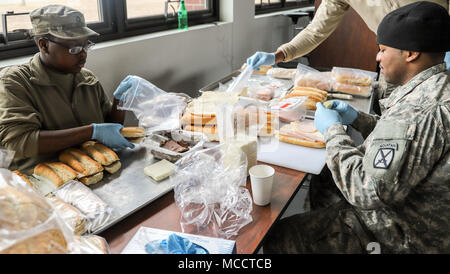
(116, 115)
(325, 21)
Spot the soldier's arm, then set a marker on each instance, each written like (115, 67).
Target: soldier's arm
(365, 123)
(326, 20)
(397, 157)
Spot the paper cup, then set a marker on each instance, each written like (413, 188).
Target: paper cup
(261, 179)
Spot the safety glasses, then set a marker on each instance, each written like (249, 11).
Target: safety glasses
(75, 49)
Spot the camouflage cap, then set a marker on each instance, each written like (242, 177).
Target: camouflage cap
(60, 21)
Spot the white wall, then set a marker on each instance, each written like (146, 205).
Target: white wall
(185, 61)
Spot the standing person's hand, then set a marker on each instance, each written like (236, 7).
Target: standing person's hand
(261, 59)
(347, 112)
(126, 84)
(324, 118)
(109, 135)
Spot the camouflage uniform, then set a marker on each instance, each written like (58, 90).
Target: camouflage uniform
(397, 183)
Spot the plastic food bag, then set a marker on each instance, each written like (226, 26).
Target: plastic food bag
(353, 81)
(210, 191)
(241, 81)
(97, 212)
(28, 223)
(91, 244)
(74, 219)
(154, 108)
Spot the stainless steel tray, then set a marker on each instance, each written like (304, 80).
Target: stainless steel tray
(130, 189)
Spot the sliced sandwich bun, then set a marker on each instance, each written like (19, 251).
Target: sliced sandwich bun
(314, 96)
(210, 131)
(302, 133)
(190, 118)
(103, 155)
(55, 172)
(133, 134)
(23, 177)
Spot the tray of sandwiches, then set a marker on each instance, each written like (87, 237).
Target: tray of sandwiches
(93, 187)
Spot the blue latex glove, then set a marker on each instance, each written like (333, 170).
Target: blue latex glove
(109, 135)
(125, 85)
(447, 59)
(324, 118)
(174, 245)
(261, 59)
(348, 113)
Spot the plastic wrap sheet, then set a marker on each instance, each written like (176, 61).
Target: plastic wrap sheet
(97, 212)
(210, 191)
(28, 223)
(154, 108)
(69, 214)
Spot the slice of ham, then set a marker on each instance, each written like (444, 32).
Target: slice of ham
(305, 126)
(302, 130)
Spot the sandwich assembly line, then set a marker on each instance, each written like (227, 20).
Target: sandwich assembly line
(354, 109)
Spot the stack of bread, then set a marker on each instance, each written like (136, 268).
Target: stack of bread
(314, 96)
(353, 81)
(200, 114)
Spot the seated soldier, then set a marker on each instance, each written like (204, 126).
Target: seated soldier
(53, 102)
(396, 185)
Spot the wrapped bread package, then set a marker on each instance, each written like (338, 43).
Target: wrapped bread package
(69, 214)
(28, 223)
(319, 80)
(92, 244)
(97, 212)
(282, 73)
(353, 81)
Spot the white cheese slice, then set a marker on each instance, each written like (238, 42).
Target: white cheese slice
(160, 170)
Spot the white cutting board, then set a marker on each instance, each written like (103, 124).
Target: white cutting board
(309, 160)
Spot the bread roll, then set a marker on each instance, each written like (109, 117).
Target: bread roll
(319, 80)
(302, 133)
(314, 96)
(352, 89)
(80, 161)
(103, 155)
(30, 219)
(56, 173)
(132, 132)
(24, 177)
(210, 132)
(189, 118)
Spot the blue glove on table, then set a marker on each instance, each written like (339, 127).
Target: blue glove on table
(174, 245)
(324, 118)
(261, 59)
(125, 85)
(348, 113)
(447, 60)
(109, 135)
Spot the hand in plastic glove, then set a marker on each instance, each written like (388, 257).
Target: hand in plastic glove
(348, 113)
(261, 59)
(174, 245)
(325, 118)
(109, 135)
(125, 85)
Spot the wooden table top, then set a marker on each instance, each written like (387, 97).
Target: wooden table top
(163, 213)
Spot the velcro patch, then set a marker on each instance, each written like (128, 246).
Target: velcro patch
(383, 158)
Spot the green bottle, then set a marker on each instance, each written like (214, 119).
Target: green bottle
(182, 17)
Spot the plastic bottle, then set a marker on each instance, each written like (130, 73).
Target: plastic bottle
(182, 17)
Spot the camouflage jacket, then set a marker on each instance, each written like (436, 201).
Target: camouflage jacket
(398, 180)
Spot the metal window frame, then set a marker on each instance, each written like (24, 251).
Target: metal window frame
(115, 25)
(283, 5)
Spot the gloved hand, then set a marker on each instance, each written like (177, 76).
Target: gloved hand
(348, 113)
(126, 84)
(324, 118)
(261, 59)
(109, 135)
(174, 245)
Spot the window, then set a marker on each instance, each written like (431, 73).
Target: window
(265, 6)
(113, 19)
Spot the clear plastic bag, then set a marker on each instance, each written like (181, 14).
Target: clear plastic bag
(154, 108)
(28, 223)
(351, 76)
(210, 191)
(241, 81)
(74, 219)
(282, 73)
(97, 212)
(91, 244)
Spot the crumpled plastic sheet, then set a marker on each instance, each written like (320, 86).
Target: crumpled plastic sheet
(210, 191)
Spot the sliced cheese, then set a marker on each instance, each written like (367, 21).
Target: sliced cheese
(160, 170)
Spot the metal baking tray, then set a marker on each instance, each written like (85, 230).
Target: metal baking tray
(129, 189)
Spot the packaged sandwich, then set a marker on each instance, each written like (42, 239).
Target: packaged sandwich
(319, 80)
(91, 244)
(314, 96)
(97, 212)
(28, 223)
(91, 171)
(282, 73)
(172, 145)
(353, 81)
(103, 155)
(364, 91)
(75, 220)
(302, 133)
